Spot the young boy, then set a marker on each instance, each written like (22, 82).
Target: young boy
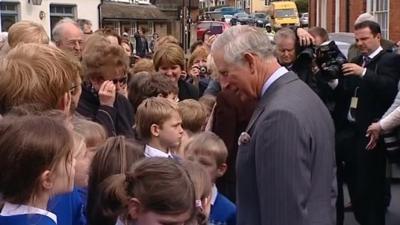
(160, 126)
(151, 85)
(193, 116)
(209, 150)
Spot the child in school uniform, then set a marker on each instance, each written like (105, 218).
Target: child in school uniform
(36, 163)
(154, 191)
(209, 150)
(193, 115)
(160, 126)
(71, 207)
(115, 156)
(202, 188)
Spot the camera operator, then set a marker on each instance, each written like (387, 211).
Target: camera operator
(297, 55)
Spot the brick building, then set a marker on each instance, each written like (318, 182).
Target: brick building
(339, 15)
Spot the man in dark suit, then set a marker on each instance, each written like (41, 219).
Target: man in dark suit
(372, 81)
(285, 162)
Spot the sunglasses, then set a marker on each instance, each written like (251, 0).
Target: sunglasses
(123, 80)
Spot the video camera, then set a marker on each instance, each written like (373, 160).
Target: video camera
(329, 60)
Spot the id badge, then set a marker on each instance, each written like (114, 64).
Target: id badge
(354, 102)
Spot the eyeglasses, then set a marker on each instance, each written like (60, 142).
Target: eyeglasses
(123, 80)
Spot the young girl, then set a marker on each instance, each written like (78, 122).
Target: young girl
(202, 185)
(114, 157)
(155, 191)
(36, 163)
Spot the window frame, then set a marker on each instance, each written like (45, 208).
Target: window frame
(15, 13)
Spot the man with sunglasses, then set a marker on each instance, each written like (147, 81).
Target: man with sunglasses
(104, 91)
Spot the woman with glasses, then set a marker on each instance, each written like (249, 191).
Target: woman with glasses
(104, 89)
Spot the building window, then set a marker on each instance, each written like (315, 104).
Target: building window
(221, 2)
(9, 14)
(58, 12)
(380, 8)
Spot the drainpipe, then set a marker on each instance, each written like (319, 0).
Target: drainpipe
(100, 14)
(347, 15)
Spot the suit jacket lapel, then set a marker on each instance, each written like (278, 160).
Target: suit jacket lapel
(286, 78)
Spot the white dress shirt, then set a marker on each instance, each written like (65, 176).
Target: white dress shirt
(153, 152)
(214, 193)
(275, 76)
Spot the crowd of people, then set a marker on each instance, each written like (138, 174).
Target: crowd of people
(244, 131)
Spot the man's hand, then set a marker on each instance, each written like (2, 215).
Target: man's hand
(107, 93)
(305, 38)
(373, 132)
(352, 69)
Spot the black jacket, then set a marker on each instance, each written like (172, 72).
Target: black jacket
(117, 120)
(187, 90)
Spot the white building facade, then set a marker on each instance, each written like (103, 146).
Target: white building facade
(49, 12)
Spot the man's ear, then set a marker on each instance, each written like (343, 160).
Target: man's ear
(379, 36)
(46, 180)
(222, 169)
(134, 208)
(155, 130)
(65, 103)
(250, 61)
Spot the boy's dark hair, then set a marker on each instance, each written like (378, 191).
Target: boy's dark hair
(373, 26)
(155, 85)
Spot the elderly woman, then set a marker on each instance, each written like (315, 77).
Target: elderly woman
(104, 88)
(169, 60)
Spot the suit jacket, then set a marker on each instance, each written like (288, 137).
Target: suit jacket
(376, 90)
(286, 171)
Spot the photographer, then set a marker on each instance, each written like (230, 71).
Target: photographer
(297, 55)
(199, 75)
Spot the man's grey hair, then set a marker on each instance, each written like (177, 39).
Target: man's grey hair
(238, 40)
(58, 28)
(285, 33)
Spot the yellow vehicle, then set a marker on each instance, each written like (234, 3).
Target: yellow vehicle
(284, 13)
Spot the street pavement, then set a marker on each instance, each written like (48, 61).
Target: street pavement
(393, 213)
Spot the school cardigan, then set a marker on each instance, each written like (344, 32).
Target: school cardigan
(223, 211)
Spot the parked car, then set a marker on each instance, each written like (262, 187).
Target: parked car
(215, 27)
(228, 10)
(259, 19)
(227, 19)
(304, 20)
(240, 19)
